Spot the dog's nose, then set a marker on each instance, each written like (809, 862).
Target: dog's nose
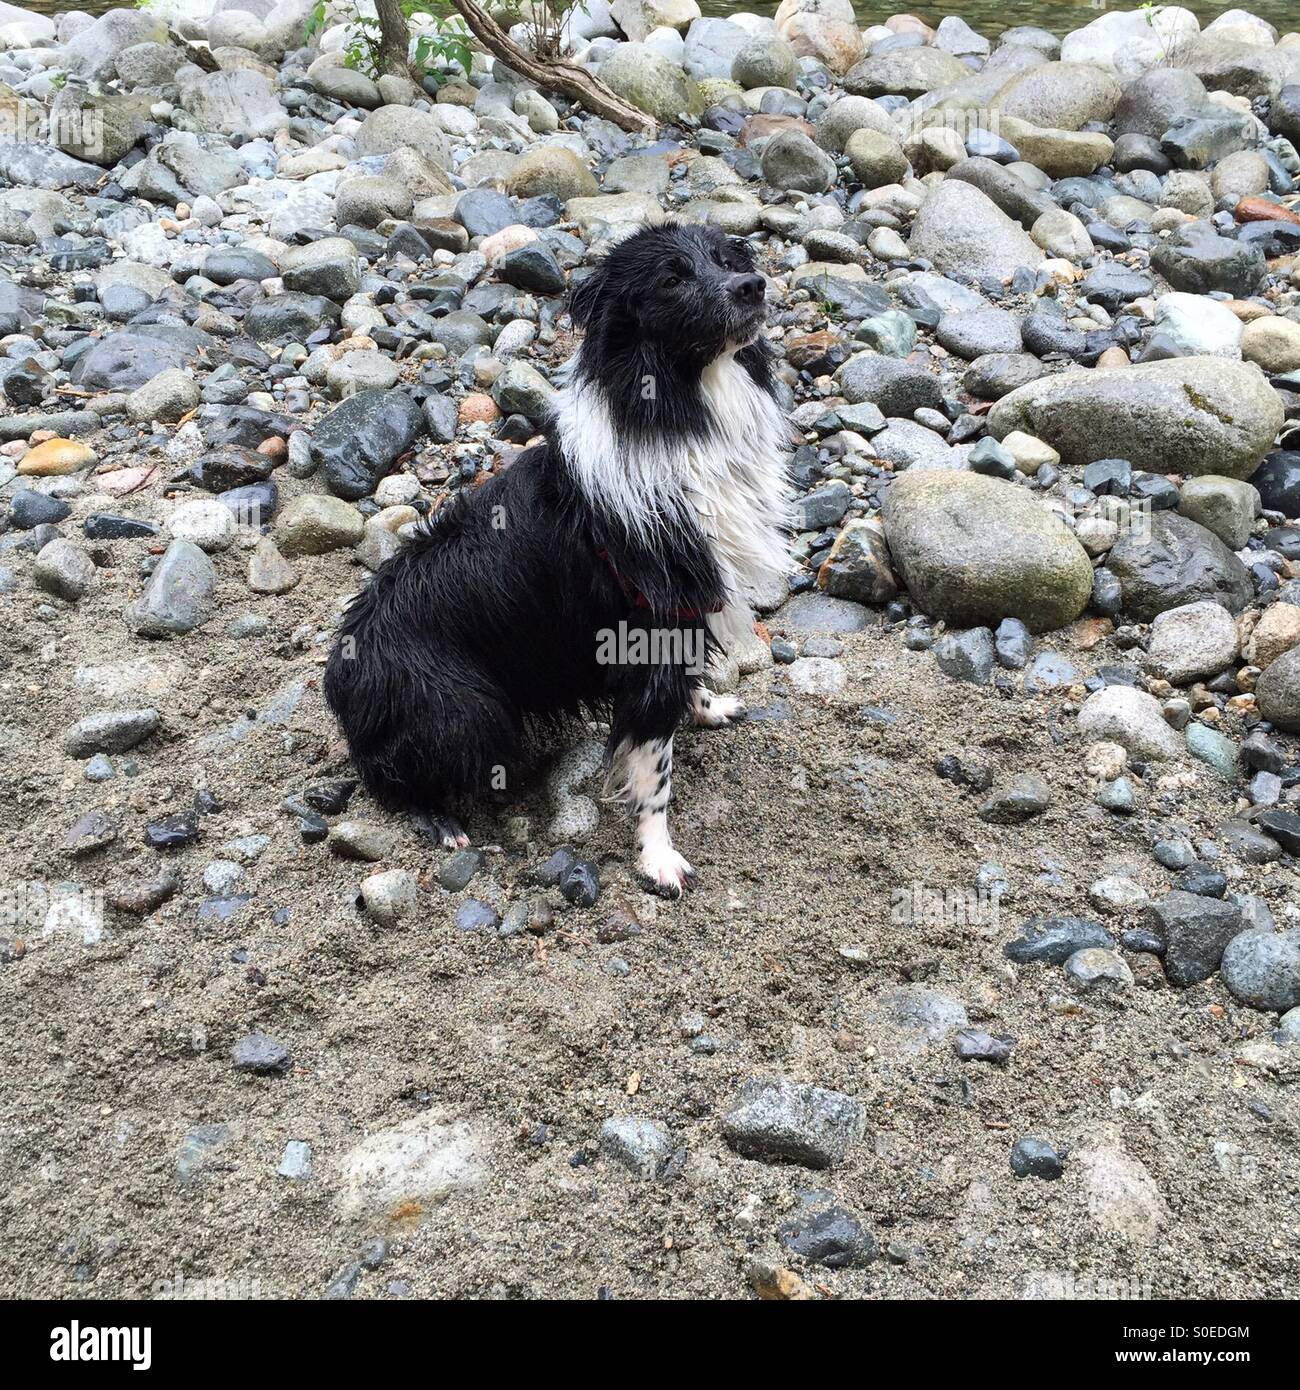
(748, 289)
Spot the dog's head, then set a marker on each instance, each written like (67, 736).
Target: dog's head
(690, 289)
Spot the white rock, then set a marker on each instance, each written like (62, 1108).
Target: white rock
(207, 523)
(418, 1161)
(1240, 26)
(1131, 718)
(1201, 326)
(1127, 43)
(1198, 639)
(1121, 1194)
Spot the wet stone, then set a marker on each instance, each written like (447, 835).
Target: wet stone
(827, 1235)
(793, 1122)
(1053, 940)
(459, 869)
(261, 1055)
(1036, 1158)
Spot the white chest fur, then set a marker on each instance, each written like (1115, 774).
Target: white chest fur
(733, 479)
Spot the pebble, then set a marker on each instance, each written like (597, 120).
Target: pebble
(640, 1145)
(975, 1045)
(1036, 1158)
(1095, 970)
(826, 1234)
(1053, 940)
(261, 1055)
(296, 1161)
(1025, 797)
(457, 871)
(390, 897)
(474, 915)
(793, 1122)
(110, 731)
(358, 839)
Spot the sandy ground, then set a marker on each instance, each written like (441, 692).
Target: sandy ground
(803, 832)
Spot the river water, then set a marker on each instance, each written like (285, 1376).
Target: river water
(987, 17)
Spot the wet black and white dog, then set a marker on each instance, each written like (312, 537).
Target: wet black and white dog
(598, 571)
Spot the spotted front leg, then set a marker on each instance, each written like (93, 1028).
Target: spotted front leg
(712, 711)
(649, 787)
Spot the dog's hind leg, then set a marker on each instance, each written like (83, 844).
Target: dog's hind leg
(648, 788)
(444, 829)
(712, 711)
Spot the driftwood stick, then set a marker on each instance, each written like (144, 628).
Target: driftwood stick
(556, 75)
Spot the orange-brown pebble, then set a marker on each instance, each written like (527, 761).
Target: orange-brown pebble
(1262, 210)
(478, 409)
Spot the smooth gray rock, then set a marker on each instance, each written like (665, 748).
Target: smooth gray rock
(1190, 415)
(179, 595)
(640, 1145)
(1278, 691)
(963, 232)
(110, 731)
(974, 550)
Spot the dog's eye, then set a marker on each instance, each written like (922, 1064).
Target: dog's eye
(673, 279)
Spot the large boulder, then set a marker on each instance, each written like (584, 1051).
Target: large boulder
(649, 81)
(93, 53)
(1278, 691)
(908, 72)
(711, 48)
(126, 359)
(973, 550)
(1244, 69)
(1062, 96)
(821, 29)
(102, 129)
(401, 127)
(241, 102)
(963, 232)
(791, 161)
(1196, 259)
(1189, 415)
(21, 29)
(848, 115)
(1128, 42)
(1158, 99)
(640, 18)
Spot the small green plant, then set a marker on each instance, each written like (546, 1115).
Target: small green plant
(58, 80)
(447, 44)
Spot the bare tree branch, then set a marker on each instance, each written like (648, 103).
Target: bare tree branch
(554, 74)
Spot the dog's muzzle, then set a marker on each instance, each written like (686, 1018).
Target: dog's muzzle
(748, 290)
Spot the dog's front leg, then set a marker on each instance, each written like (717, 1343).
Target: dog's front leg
(649, 773)
(652, 699)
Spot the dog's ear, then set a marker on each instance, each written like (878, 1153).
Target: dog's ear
(584, 296)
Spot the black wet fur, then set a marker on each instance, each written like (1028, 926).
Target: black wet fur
(486, 624)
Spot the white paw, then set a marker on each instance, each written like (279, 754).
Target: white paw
(666, 872)
(713, 711)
